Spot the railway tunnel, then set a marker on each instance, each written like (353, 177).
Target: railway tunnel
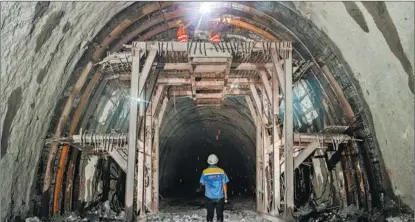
(352, 75)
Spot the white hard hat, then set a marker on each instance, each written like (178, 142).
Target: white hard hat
(212, 159)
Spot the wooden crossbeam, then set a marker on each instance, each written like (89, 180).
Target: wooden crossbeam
(187, 81)
(227, 92)
(184, 46)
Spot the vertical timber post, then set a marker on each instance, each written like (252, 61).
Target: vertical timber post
(132, 137)
(258, 165)
(148, 157)
(275, 144)
(264, 157)
(288, 133)
(156, 165)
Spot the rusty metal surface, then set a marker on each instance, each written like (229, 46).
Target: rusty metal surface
(154, 21)
(75, 121)
(125, 24)
(62, 120)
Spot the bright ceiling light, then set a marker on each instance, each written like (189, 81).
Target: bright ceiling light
(205, 7)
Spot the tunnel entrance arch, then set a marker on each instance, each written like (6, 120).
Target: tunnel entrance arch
(207, 72)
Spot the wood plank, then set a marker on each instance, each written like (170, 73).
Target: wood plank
(132, 137)
(288, 135)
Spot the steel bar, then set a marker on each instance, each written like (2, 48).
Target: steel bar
(72, 161)
(148, 9)
(339, 92)
(53, 151)
(288, 135)
(132, 137)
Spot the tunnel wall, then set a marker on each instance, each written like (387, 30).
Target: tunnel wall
(377, 41)
(36, 65)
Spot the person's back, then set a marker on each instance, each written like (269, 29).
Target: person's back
(214, 179)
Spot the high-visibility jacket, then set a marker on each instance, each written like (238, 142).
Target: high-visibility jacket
(215, 38)
(181, 35)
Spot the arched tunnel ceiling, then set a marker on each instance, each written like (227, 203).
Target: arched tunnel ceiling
(368, 45)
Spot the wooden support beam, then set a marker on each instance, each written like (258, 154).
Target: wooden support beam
(146, 69)
(184, 47)
(227, 92)
(264, 155)
(259, 191)
(300, 158)
(142, 163)
(288, 135)
(132, 136)
(226, 73)
(278, 68)
(148, 145)
(251, 109)
(119, 158)
(264, 77)
(155, 161)
(156, 99)
(276, 141)
(257, 101)
(188, 81)
(162, 110)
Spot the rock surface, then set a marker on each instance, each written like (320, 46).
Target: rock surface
(40, 45)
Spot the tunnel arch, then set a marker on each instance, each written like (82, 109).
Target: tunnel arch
(321, 48)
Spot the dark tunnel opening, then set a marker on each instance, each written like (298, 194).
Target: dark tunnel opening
(226, 132)
(189, 166)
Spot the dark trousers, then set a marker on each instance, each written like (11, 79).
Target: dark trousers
(211, 206)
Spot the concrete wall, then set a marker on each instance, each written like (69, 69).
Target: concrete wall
(40, 44)
(377, 41)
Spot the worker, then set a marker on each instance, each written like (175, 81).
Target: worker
(214, 180)
(214, 34)
(181, 31)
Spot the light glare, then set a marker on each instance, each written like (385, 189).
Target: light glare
(205, 7)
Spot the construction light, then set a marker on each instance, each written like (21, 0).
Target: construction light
(205, 7)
